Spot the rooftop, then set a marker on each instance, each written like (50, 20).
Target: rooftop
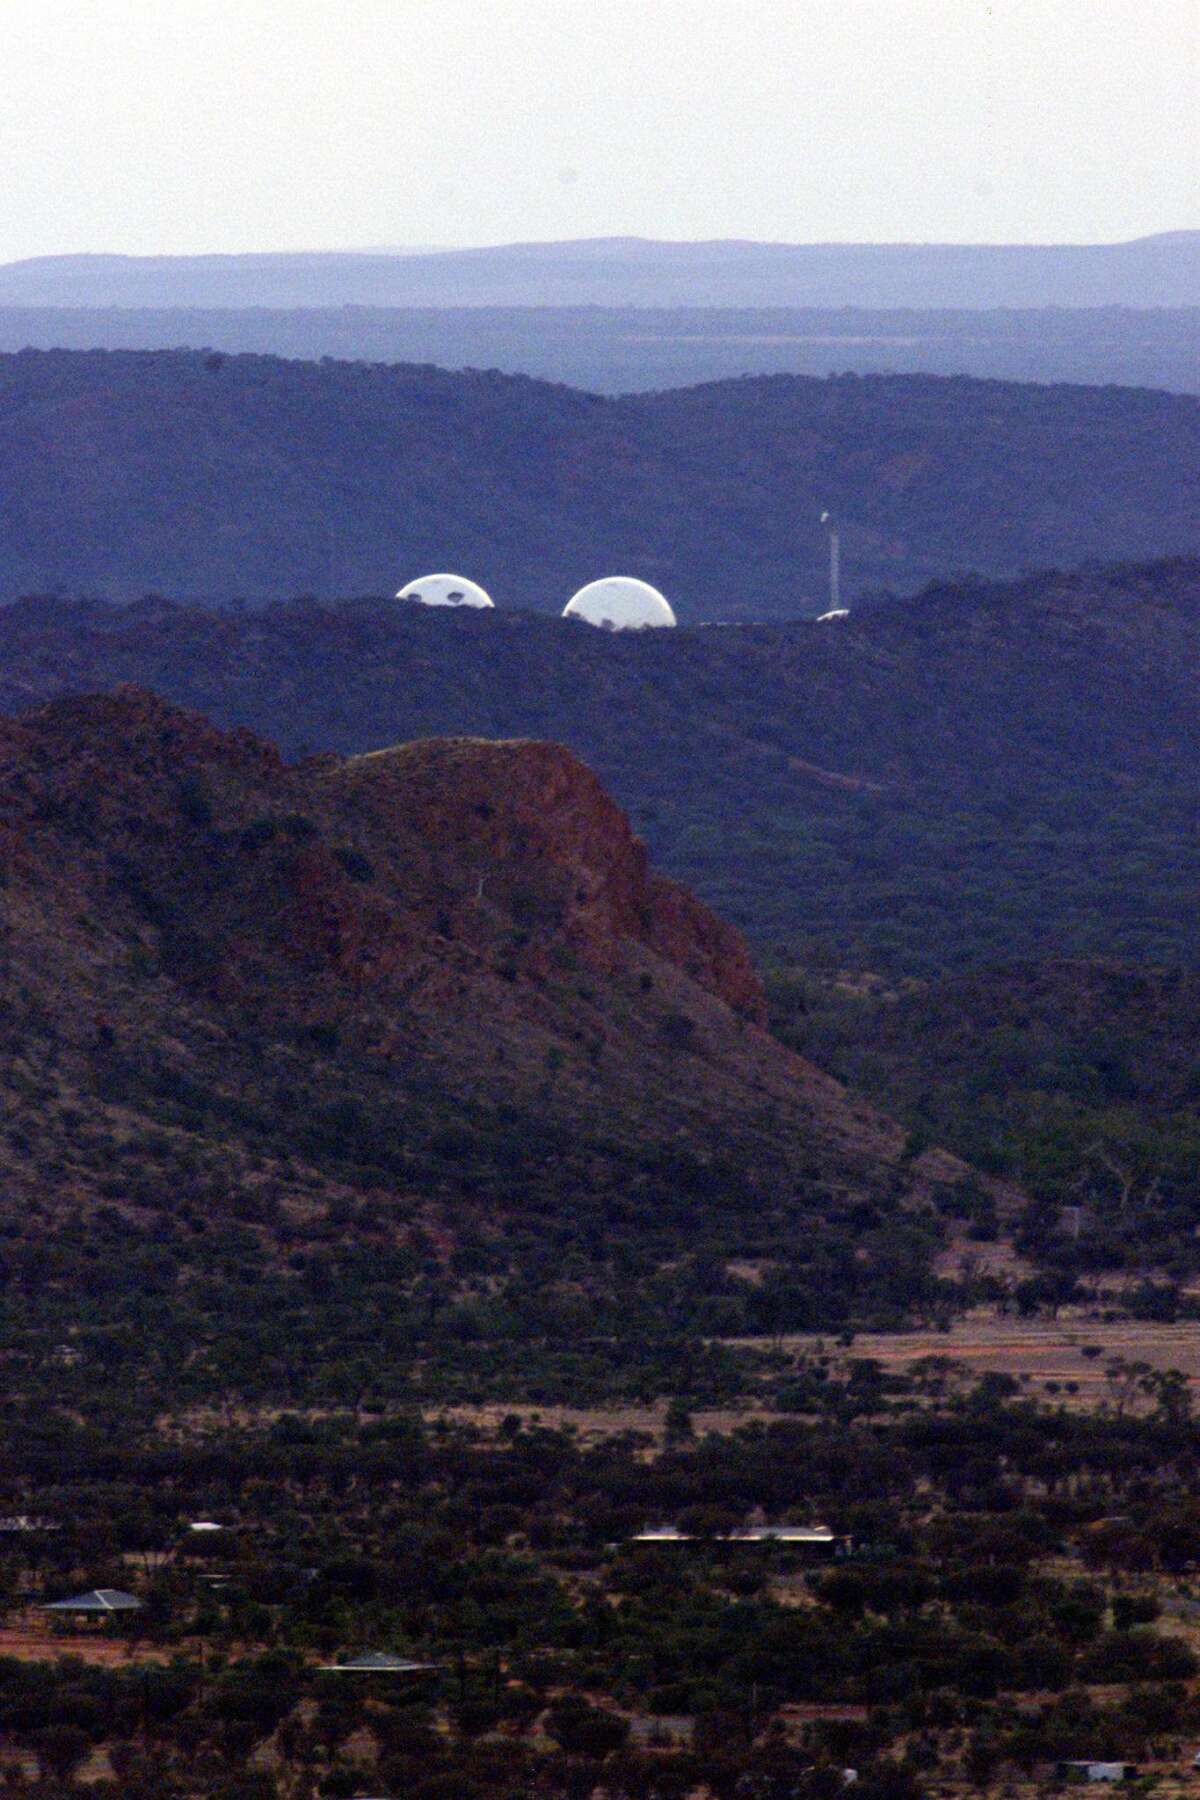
(377, 1662)
(747, 1534)
(97, 1600)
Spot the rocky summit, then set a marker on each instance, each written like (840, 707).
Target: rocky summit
(416, 963)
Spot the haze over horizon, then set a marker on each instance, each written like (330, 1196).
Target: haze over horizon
(211, 128)
(626, 240)
(632, 239)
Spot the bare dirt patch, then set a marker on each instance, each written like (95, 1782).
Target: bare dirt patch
(1076, 1348)
(965, 1256)
(34, 1642)
(594, 1424)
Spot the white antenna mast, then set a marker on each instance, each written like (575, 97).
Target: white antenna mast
(835, 561)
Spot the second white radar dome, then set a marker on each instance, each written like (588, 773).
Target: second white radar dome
(620, 603)
(445, 590)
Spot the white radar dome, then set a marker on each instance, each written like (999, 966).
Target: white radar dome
(619, 603)
(445, 590)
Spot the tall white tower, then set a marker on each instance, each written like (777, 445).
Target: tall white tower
(835, 562)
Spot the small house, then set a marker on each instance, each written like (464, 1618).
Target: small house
(378, 1662)
(97, 1603)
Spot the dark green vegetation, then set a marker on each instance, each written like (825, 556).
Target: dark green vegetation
(918, 795)
(341, 1094)
(620, 350)
(977, 773)
(1079, 1080)
(210, 476)
(1012, 1597)
(245, 1166)
(197, 1296)
(401, 1074)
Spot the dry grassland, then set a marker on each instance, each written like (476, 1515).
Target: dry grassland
(1078, 1347)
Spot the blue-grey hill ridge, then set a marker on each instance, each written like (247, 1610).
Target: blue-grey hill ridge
(199, 475)
(1161, 270)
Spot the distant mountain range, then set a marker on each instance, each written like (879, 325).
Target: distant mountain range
(218, 477)
(1163, 270)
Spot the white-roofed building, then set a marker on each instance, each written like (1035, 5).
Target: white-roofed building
(378, 1662)
(98, 1602)
(745, 1534)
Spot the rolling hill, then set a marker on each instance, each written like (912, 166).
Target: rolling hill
(216, 477)
(977, 773)
(415, 1042)
(462, 916)
(616, 350)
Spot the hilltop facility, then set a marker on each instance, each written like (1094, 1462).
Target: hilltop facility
(615, 602)
(620, 603)
(446, 590)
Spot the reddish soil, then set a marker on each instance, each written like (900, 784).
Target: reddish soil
(31, 1641)
(1038, 1351)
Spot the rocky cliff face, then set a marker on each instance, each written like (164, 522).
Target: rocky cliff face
(450, 931)
(520, 813)
(363, 864)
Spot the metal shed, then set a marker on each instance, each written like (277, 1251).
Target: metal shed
(97, 1601)
(378, 1662)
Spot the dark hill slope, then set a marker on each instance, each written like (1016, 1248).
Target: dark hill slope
(214, 477)
(973, 774)
(402, 1062)
(464, 925)
(1079, 1079)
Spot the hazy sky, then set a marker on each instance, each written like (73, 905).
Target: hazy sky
(193, 125)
